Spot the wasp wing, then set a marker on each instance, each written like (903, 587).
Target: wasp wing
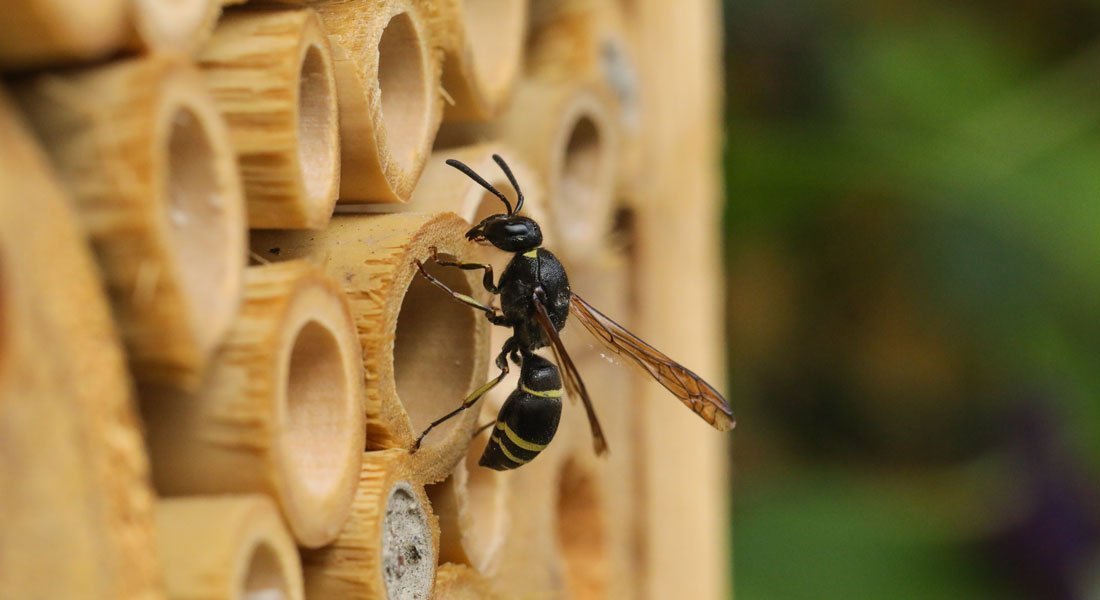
(692, 390)
(572, 378)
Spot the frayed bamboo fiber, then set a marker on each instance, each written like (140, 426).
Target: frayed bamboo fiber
(459, 582)
(473, 510)
(76, 511)
(482, 42)
(387, 76)
(271, 74)
(147, 159)
(388, 547)
(35, 33)
(226, 548)
(423, 351)
(171, 26)
(281, 411)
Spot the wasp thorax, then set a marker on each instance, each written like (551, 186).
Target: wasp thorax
(509, 233)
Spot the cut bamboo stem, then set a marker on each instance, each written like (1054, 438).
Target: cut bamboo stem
(387, 76)
(589, 41)
(459, 582)
(482, 42)
(271, 74)
(75, 507)
(172, 26)
(442, 188)
(423, 351)
(582, 532)
(574, 146)
(39, 32)
(473, 510)
(389, 546)
(282, 408)
(226, 548)
(146, 156)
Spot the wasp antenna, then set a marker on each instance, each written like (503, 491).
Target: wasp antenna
(461, 166)
(512, 178)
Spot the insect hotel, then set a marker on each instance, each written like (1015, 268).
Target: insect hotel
(225, 230)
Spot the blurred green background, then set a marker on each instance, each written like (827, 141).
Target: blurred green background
(913, 256)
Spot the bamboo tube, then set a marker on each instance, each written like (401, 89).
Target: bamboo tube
(38, 32)
(423, 351)
(482, 41)
(686, 556)
(226, 548)
(590, 41)
(172, 26)
(441, 188)
(582, 532)
(388, 547)
(459, 582)
(573, 146)
(607, 280)
(271, 74)
(528, 562)
(474, 515)
(75, 507)
(148, 161)
(387, 77)
(282, 408)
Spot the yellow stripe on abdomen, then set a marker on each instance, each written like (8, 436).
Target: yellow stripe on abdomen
(518, 441)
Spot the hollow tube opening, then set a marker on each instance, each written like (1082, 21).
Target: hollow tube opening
(494, 33)
(264, 579)
(317, 410)
(200, 229)
(316, 122)
(581, 534)
(404, 88)
(434, 350)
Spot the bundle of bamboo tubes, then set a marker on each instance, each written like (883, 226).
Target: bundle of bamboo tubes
(216, 350)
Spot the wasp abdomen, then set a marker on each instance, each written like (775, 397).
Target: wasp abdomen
(529, 418)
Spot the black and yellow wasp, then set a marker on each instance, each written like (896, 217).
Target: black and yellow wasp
(535, 301)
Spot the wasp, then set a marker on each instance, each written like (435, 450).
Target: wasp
(535, 302)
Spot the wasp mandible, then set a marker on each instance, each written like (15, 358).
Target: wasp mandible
(535, 301)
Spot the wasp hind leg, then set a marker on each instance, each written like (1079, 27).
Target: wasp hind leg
(502, 364)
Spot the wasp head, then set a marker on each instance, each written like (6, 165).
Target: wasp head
(508, 230)
(511, 233)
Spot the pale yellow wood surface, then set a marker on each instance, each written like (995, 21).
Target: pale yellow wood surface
(389, 545)
(423, 352)
(271, 74)
(686, 487)
(146, 157)
(75, 505)
(387, 75)
(40, 32)
(281, 410)
(226, 548)
(171, 26)
(483, 44)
